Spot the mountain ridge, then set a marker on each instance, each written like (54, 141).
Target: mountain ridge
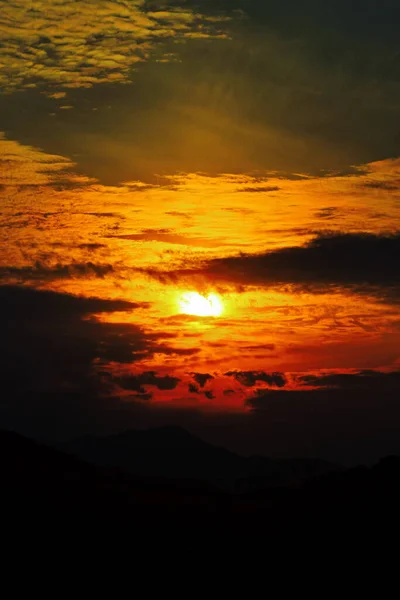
(44, 488)
(175, 452)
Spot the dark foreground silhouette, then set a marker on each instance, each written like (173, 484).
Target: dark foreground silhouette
(51, 488)
(173, 452)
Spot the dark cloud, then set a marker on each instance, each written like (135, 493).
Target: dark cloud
(136, 382)
(92, 246)
(169, 236)
(337, 259)
(23, 304)
(250, 378)
(366, 379)
(202, 378)
(271, 188)
(105, 215)
(56, 364)
(168, 350)
(269, 347)
(142, 396)
(382, 185)
(194, 389)
(43, 272)
(327, 213)
(50, 342)
(319, 23)
(48, 335)
(357, 422)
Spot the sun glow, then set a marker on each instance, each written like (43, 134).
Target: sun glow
(193, 303)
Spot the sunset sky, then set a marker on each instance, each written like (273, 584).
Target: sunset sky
(200, 221)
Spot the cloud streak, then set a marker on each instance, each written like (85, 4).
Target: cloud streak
(366, 379)
(42, 272)
(251, 378)
(147, 378)
(340, 259)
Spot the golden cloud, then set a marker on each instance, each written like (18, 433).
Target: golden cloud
(79, 44)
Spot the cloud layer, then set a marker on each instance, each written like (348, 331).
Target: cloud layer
(79, 44)
(295, 90)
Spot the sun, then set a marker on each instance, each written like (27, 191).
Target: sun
(193, 303)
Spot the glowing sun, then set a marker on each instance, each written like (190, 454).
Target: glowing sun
(193, 303)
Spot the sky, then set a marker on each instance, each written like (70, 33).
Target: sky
(200, 221)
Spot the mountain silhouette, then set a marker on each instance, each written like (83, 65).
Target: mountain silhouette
(174, 452)
(41, 484)
(44, 488)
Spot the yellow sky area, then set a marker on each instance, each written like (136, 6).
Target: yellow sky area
(199, 216)
(200, 219)
(49, 212)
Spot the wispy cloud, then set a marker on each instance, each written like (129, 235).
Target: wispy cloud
(23, 165)
(45, 273)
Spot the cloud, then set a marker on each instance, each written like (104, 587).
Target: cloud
(42, 272)
(344, 426)
(341, 259)
(60, 43)
(250, 378)
(21, 304)
(259, 347)
(349, 417)
(327, 213)
(280, 95)
(51, 342)
(22, 165)
(92, 246)
(366, 379)
(48, 342)
(136, 382)
(318, 23)
(171, 351)
(196, 389)
(202, 378)
(105, 215)
(383, 185)
(261, 189)
(170, 237)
